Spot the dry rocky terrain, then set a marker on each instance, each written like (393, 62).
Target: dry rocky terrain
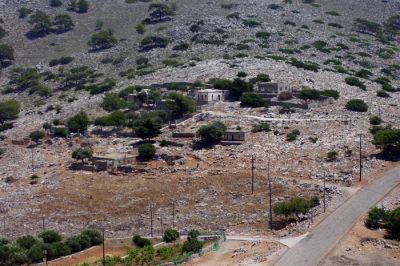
(210, 188)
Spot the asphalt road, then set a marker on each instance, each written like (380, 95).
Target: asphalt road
(316, 245)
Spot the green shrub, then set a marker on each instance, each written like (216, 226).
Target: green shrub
(170, 235)
(102, 40)
(393, 224)
(94, 236)
(166, 252)
(192, 245)
(112, 102)
(78, 122)
(295, 206)
(292, 136)
(318, 21)
(332, 156)
(146, 151)
(140, 28)
(212, 133)
(352, 81)
(364, 73)
(375, 120)
(58, 249)
(290, 23)
(376, 218)
(356, 105)
(249, 99)
(335, 25)
(261, 127)
(35, 253)
(389, 141)
(24, 12)
(309, 94)
(74, 244)
(181, 47)
(140, 241)
(382, 94)
(332, 13)
(50, 236)
(251, 23)
(37, 135)
(331, 93)
(305, 65)
(26, 242)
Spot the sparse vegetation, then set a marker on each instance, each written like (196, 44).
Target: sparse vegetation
(212, 133)
(356, 105)
(146, 151)
(249, 99)
(102, 40)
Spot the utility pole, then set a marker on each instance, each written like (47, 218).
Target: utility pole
(252, 174)
(270, 198)
(4, 227)
(360, 157)
(162, 227)
(43, 227)
(45, 256)
(173, 215)
(324, 193)
(151, 221)
(32, 159)
(104, 251)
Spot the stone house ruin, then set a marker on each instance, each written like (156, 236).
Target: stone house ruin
(233, 137)
(271, 89)
(104, 162)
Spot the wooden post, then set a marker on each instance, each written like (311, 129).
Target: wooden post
(252, 174)
(270, 198)
(360, 157)
(104, 250)
(173, 215)
(151, 221)
(324, 193)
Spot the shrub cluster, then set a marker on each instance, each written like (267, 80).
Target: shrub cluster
(140, 241)
(381, 218)
(295, 206)
(28, 249)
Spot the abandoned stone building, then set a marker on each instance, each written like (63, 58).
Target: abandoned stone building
(233, 137)
(109, 161)
(271, 89)
(207, 96)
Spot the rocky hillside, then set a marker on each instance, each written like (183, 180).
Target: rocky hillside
(146, 39)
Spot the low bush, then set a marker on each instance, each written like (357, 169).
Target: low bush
(331, 93)
(375, 120)
(356, 105)
(50, 236)
(331, 156)
(376, 218)
(140, 241)
(261, 127)
(353, 81)
(249, 99)
(170, 235)
(382, 94)
(146, 151)
(292, 136)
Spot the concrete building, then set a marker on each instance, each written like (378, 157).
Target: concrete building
(233, 137)
(104, 162)
(207, 96)
(271, 89)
